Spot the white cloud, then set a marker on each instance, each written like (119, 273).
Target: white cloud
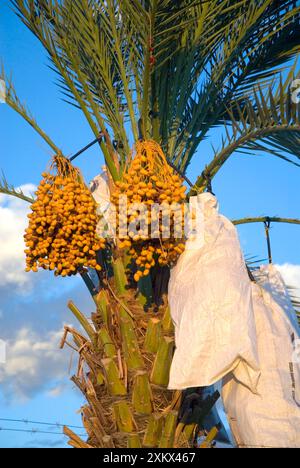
(291, 276)
(13, 222)
(34, 363)
(56, 391)
(29, 305)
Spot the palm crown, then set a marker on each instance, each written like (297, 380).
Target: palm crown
(172, 70)
(169, 71)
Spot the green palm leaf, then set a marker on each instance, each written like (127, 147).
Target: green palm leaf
(269, 123)
(8, 189)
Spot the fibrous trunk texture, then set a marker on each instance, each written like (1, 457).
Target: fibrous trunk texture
(123, 371)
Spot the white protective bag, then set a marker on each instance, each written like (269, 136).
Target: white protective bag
(211, 306)
(270, 418)
(100, 190)
(101, 194)
(269, 277)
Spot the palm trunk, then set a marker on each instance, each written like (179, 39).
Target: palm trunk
(128, 355)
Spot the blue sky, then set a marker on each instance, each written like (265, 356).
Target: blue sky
(33, 309)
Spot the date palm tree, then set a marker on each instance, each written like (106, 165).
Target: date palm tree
(169, 71)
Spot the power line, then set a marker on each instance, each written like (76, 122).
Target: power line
(40, 423)
(34, 431)
(98, 140)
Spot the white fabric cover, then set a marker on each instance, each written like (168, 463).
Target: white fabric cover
(270, 418)
(269, 277)
(100, 191)
(101, 194)
(227, 327)
(210, 303)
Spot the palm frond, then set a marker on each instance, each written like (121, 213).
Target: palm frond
(264, 219)
(211, 71)
(8, 189)
(269, 123)
(295, 300)
(205, 56)
(50, 22)
(14, 102)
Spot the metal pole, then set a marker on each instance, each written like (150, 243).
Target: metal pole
(267, 224)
